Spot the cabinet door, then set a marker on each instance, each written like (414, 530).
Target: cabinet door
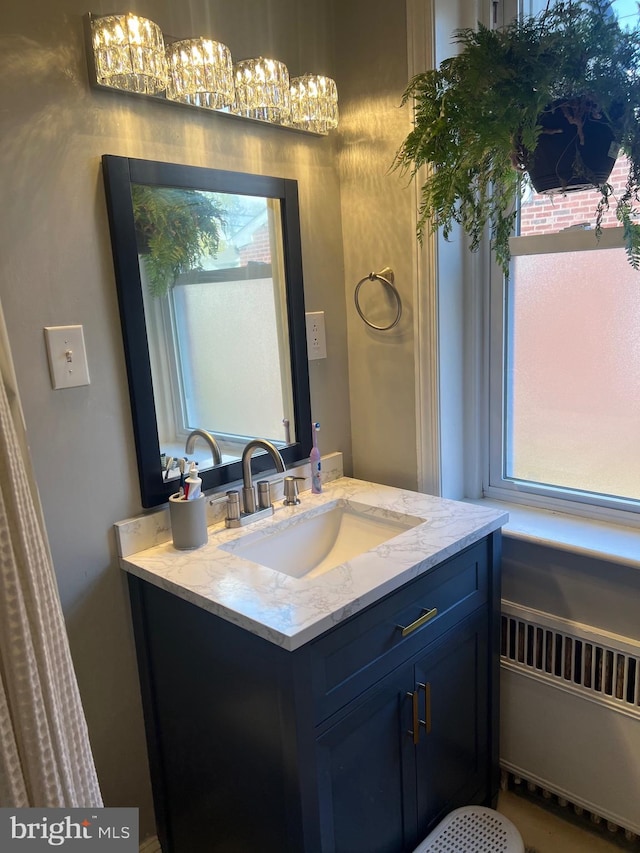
(366, 765)
(452, 761)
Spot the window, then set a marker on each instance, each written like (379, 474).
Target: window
(566, 420)
(565, 362)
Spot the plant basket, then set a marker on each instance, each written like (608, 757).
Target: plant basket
(570, 157)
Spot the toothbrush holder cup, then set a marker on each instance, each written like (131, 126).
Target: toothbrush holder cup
(188, 522)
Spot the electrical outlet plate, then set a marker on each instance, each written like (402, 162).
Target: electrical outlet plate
(67, 356)
(316, 339)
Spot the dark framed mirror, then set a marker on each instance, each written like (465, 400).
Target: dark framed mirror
(208, 269)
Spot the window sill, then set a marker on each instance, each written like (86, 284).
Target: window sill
(598, 539)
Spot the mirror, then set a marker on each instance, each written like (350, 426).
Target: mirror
(208, 270)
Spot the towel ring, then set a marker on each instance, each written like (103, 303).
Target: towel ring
(387, 278)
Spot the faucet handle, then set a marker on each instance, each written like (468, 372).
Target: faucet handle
(233, 505)
(291, 490)
(264, 494)
(232, 501)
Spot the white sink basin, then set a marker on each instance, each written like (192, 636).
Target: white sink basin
(310, 544)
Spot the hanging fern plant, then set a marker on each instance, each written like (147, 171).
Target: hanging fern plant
(480, 118)
(174, 229)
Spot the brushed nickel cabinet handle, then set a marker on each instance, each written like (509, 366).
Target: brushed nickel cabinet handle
(420, 621)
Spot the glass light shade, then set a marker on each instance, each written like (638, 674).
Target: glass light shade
(129, 53)
(262, 89)
(314, 103)
(200, 73)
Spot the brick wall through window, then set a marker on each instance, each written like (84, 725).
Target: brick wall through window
(541, 214)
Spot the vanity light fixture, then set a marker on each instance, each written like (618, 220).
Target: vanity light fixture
(129, 53)
(314, 103)
(200, 73)
(262, 89)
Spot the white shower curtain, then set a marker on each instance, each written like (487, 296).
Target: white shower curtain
(45, 757)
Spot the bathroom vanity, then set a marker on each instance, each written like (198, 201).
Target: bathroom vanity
(339, 712)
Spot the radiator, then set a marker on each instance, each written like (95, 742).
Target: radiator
(570, 713)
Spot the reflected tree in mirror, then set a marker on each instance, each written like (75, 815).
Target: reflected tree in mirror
(174, 228)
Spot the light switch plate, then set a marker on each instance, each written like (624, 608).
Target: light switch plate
(67, 356)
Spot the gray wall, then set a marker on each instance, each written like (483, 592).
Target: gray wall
(56, 269)
(379, 231)
(581, 588)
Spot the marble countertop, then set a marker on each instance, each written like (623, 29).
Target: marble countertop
(292, 611)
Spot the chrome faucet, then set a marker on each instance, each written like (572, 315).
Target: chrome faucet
(248, 490)
(213, 444)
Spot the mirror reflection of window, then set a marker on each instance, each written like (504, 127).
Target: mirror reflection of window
(219, 338)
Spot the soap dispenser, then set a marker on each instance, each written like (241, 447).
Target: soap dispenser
(291, 491)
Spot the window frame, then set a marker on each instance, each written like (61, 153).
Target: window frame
(496, 484)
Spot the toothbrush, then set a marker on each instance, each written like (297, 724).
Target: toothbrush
(181, 465)
(314, 459)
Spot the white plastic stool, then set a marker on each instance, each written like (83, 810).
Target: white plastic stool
(473, 829)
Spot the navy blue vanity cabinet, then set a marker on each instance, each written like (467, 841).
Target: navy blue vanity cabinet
(409, 750)
(357, 742)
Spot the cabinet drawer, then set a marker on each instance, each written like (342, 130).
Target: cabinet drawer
(355, 654)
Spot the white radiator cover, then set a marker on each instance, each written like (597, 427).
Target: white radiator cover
(570, 712)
